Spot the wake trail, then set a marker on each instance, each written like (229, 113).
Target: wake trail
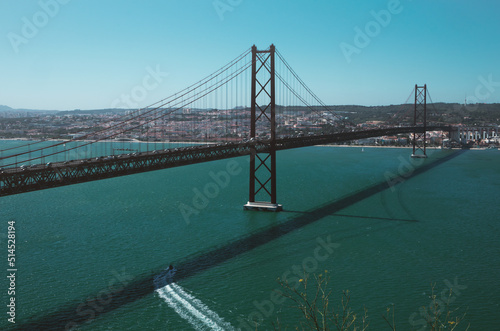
(162, 292)
(201, 307)
(191, 309)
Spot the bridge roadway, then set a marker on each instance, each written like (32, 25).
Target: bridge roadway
(27, 179)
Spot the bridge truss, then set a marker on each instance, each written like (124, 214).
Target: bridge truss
(18, 180)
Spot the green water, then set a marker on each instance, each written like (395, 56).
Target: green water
(439, 226)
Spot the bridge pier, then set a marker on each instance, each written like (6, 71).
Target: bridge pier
(263, 107)
(263, 206)
(454, 135)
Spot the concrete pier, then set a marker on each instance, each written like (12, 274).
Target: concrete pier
(263, 206)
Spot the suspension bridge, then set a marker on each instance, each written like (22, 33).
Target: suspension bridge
(255, 105)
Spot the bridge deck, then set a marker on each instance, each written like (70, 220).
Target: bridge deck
(22, 179)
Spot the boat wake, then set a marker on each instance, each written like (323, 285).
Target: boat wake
(192, 309)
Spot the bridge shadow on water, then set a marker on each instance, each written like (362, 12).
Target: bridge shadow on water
(357, 216)
(85, 311)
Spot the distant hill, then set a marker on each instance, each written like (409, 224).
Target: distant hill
(5, 108)
(34, 112)
(437, 113)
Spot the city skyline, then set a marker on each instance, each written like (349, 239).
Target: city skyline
(61, 54)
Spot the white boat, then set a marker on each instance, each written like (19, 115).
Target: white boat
(165, 277)
(170, 272)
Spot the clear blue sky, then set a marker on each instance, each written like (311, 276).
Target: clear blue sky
(86, 53)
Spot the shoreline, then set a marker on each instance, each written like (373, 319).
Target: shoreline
(404, 147)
